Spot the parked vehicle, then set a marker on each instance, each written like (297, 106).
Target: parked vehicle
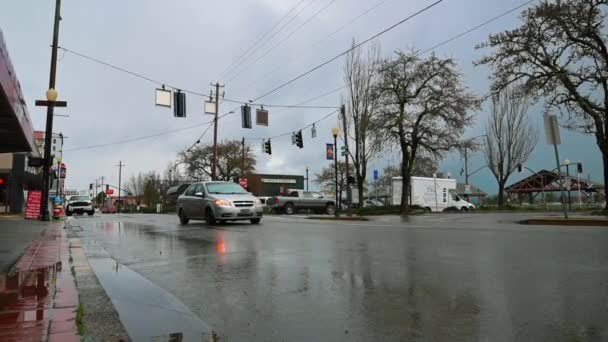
(175, 191)
(218, 202)
(300, 199)
(108, 210)
(432, 194)
(79, 205)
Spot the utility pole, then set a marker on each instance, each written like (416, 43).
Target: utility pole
(466, 173)
(243, 158)
(345, 126)
(217, 110)
(120, 166)
(44, 207)
(103, 191)
(95, 194)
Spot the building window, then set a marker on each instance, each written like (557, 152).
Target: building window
(54, 141)
(53, 148)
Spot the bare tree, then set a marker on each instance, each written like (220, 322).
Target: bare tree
(509, 137)
(326, 178)
(199, 161)
(424, 108)
(560, 53)
(361, 100)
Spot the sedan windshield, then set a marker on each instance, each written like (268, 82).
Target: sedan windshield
(225, 188)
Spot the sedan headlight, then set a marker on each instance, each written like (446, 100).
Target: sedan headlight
(257, 202)
(222, 203)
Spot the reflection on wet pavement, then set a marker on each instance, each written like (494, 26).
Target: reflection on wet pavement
(24, 304)
(147, 311)
(294, 281)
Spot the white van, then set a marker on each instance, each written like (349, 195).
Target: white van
(432, 194)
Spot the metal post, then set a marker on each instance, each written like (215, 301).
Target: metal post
(559, 171)
(306, 178)
(336, 172)
(58, 177)
(466, 173)
(569, 185)
(120, 165)
(44, 205)
(578, 181)
(243, 158)
(436, 200)
(217, 109)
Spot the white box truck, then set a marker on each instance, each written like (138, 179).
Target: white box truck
(432, 194)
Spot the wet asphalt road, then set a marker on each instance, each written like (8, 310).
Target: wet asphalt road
(451, 277)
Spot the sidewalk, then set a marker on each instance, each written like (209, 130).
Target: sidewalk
(15, 235)
(38, 298)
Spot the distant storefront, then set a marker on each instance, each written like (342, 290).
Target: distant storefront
(272, 185)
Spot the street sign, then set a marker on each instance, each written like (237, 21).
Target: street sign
(376, 175)
(552, 130)
(110, 192)
(313, 131)
(243, 182)
(162, 98)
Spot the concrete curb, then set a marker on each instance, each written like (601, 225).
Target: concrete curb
(339, 218)
(590, 222)
(100, 319)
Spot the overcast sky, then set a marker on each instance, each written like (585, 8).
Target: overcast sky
(189, 44)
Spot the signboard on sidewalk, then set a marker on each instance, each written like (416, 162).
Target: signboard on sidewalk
(243, 182)
(32, 206)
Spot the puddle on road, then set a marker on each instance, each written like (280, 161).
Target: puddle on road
(148, 312)
(24, 303)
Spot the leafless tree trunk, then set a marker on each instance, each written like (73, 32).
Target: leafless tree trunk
(509, 138)
(361, 77)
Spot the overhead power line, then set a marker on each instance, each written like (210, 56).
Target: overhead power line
(260, 39)
(349, 50)
(476, 27)
(378, 4)
(272, 36)
(283, 40)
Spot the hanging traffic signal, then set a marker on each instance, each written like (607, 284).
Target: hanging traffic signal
(299, 139)
(293, 138)
(267, 147)
(90, 186)
(107, 187)
(519, 168)
(246, 116)
(579, 167)
(2, 182)
(179, 104)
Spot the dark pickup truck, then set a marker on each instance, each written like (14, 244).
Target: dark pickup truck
(300, 199)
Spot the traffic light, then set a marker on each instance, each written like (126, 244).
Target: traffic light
(107, 187)
(293, 138)
(519, 168)
(179, 104)
(579, 167)
(299, 139)
(90, 186)
(267, 147)
(246, 116)
(342, 110)
(2, 182)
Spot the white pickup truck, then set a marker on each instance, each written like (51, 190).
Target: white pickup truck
(432, 194)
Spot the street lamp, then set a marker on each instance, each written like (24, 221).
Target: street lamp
(335, 132)
(306, 177)
(51, 95)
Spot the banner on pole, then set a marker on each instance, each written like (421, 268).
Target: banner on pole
(329, 151)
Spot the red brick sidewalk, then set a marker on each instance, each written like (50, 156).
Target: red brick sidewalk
(38, 300)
